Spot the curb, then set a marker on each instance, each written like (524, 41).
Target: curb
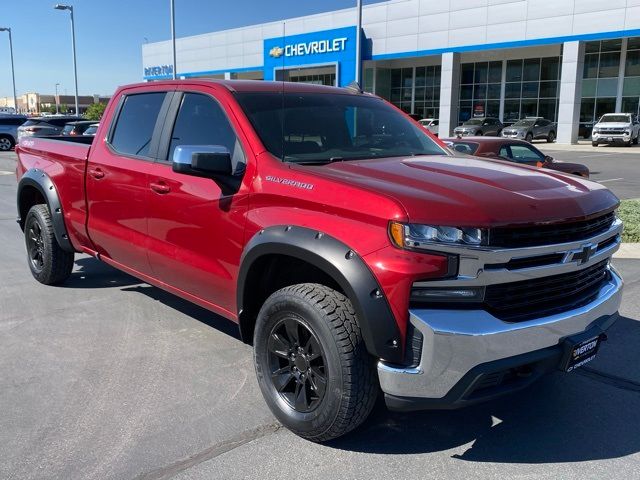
(628, 251)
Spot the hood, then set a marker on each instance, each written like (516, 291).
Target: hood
(517, 129)
(469, 191)
(468, 128)
(612, 125)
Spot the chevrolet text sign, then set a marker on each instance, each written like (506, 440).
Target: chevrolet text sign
(317, 46)
(335, 47)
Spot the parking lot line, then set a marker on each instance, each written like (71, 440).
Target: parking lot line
(3, 172)
(609, 180)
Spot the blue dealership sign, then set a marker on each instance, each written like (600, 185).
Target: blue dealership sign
(328, 47)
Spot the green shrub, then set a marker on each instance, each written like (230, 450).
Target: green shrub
(629, 212)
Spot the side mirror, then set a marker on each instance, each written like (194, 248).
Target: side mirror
(210, 161)
(548, 159)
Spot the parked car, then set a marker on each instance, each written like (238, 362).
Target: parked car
(431, 124)
(518, 151)
(532, 128)
(479, 127)
(9, 130)
(353, 256)
(77, 128)
(91, 130)
(44, 126)
(615, 128)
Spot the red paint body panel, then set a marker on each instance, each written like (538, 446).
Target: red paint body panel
(189, 238)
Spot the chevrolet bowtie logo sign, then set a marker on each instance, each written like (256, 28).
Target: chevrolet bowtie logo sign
(583, 255)
(276, 52)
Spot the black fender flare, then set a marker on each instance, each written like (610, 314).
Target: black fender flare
(379, 328)
(39, 180)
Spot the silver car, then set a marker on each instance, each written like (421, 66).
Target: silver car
(9, 130)
(479, 127)
(532, 128)
(44, 126)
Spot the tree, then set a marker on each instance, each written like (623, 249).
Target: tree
(95, 111)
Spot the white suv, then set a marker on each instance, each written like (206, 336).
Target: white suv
(616, 128)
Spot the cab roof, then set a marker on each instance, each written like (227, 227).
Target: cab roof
(251, 86)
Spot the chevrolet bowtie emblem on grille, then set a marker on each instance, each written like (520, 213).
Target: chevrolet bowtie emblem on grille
(276, 52)
(582, 255)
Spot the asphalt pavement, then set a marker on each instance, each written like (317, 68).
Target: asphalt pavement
(106, 377)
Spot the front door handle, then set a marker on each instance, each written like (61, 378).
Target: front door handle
(96, 173)
(160, 187)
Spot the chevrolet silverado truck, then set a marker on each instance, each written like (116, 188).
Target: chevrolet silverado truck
(616, 128)
(354, 250)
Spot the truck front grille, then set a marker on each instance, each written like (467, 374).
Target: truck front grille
(540, 297)
(517, 237)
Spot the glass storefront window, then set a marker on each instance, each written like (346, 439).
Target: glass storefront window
(531, 71)
(607, 87)
(495, 72)
(514, 70)
(550, 68)
(609, 65)
(632, 68)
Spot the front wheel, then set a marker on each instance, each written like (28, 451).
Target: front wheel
(48, 262)
(551, 137)
(594, 144)
(312, 365)
(529, 137)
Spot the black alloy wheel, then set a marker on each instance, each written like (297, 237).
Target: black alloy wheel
(35, 244)
(297, 364)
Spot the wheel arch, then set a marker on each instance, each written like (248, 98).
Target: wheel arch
(325, 257)
(35, 187)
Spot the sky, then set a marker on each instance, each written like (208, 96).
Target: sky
(110, 34)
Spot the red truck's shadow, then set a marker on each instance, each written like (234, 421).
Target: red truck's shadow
(563, 418)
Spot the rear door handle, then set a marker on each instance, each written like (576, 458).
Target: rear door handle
(96, 173)
(160, 187)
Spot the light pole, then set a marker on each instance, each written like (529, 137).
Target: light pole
(13, 75)
(173, 37)
(57, 111)
(60, 6)
(358, 41)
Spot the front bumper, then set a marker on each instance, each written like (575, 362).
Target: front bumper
(462, 348)
(610, 138)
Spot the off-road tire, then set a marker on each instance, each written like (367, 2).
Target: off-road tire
(52, 265)
(351, 386)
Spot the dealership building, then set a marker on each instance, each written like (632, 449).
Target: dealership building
(569, 61)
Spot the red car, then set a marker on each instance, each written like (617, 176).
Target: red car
(351, 249)
(512, 150)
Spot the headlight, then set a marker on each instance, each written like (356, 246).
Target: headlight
(595, 130)
(414, 235)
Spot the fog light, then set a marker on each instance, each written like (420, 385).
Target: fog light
(447, 294)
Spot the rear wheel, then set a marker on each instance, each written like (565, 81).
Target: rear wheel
(49, 264)
(551, 137)
(312, 365)
(6, 143)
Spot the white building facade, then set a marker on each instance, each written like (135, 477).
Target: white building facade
(569, 61)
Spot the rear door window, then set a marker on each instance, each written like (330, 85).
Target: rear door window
(136, 122)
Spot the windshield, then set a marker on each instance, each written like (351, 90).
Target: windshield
(326, 127)
(477, 121)
(615, 119)
(524, 123)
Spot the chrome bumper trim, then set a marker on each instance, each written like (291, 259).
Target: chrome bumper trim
(455, 341)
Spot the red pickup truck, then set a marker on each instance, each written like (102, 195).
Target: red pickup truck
(354, 250)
